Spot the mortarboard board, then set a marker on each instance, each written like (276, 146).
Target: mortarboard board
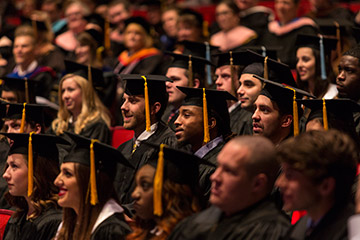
(331, 109)
(209, 100)
(140, 21)
(266, 68)
(285, 97)
(324, 44)
(173, 164)
(356, 31)
(39, 25)
(3, 108)
(151, 86)
(95, 19)
(191, 63)
(96, 35)
(44, 145)
(25, 88)
(30, 112)
(270, 51)
(96, 155)
(97, 78)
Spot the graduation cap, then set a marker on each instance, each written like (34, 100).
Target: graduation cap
(285, 97)
(209, 100)
(96, 155)
(173, 164)
(23, 87)
(266, 67)
(191, 63)
(93, 75)
(96, 35)
(356, 31)
(151, 86)
(101, 38)
(331, 109)
(95, 19)
(324, 44)
(44, 145)
(270, 51)
(28, 112)
(38, 26)
(140, 21)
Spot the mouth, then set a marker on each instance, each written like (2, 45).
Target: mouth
(62, 192)
(257, 128)
(242, 99)
(127, 118)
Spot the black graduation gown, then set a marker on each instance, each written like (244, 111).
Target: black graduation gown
(333, 226)
(149, 65)
(113, 228)
(241, 121)
(4, 150)
(124, 180)
(260, 221)
(43, 227)
(256, 19)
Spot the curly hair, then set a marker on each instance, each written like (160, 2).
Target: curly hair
(319, 154)
(179, 202)
(44, 193)
(92, 108)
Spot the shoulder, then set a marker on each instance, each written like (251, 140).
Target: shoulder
(114, 227)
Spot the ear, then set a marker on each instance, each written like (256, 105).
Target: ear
(196, 83)
(286, 121)
(259, 183)
(37, 128)
(327, 187)
(212, 123)
(155, 108)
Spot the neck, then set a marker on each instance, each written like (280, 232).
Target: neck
(197, 145)
(24, 66)
(311, 86)
(75, 115)
(280, 136)
(317, 211)
(287, 20)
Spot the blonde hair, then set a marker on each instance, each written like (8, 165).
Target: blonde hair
(92, 108)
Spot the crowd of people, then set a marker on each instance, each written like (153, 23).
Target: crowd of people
(247, 127)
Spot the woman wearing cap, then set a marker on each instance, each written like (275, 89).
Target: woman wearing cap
(86, 192)
(37, 215)
(158, 210)
(81, 111)
(231, 35)
(140, 57)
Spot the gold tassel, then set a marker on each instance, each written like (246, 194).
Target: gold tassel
(107, 43)
(93, 189)
(191, 80)
(325, 119)
(147, 105)
(206, 29)
(27, 91)
(30, 166)
(99, 51)
(90, 75)
(158, 183)
(232, 73)
(295, 113)
(338, 37)
(22, 126)
(266, 73)
(206, 120)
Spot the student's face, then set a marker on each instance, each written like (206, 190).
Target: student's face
(249, 90)
(169, 20)
(298, 192)
(134, 37)
(16, 175)
(143, 192)
(9, 96)
(13, 126)
(82, 53)
(74, 16)
(224, 81)
(348, 80)
(314, 124)
(189, 124)
(187, 32)
(71, 96)
(285, 9)
(306, 64)
(231, 185)
(225, 17)
(133, 112)
(118, 14)
(179, 78)
(266, 118)
(69, 191)
(23, 50)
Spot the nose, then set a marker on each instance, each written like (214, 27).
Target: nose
(256, 116)
(341, 75)
(124, 106)
(240, 90)
(135, 194)
(178, 121)
(6, 174)
(218, 81)
(280, 181)
(215, 176)
(58, 181)
(168, 84)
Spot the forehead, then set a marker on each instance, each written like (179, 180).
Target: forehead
(23, 39)
(233, 155)
(169, 14)
(147, 171)
(176, 71)
(222, 69)
(249, 77)
(347, 59)
(265, 101)
(191, 108)
(305, 51)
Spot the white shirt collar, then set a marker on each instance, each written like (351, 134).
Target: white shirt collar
(232, 107)
(33, 65)
(145, 134)
(110, 207)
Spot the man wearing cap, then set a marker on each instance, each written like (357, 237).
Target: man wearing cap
(147, 126)
(206, 135)
(182, 75)
(241, 185)
(348, 79)
(318, 171)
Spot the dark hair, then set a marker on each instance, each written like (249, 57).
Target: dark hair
(319, 154)
(321, 85)
(80, 226)
(231, 4)
(354, 52)
(125, 3)
(44, 192)
(85, 39)
(163, 100)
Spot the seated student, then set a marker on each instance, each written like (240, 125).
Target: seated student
(18, 90)
(81, 111)
(205, 126)
(86, 192)
(31, 189)
(318, 171)
(240, 196)
(160, 209)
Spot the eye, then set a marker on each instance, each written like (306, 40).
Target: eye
(145, 185)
